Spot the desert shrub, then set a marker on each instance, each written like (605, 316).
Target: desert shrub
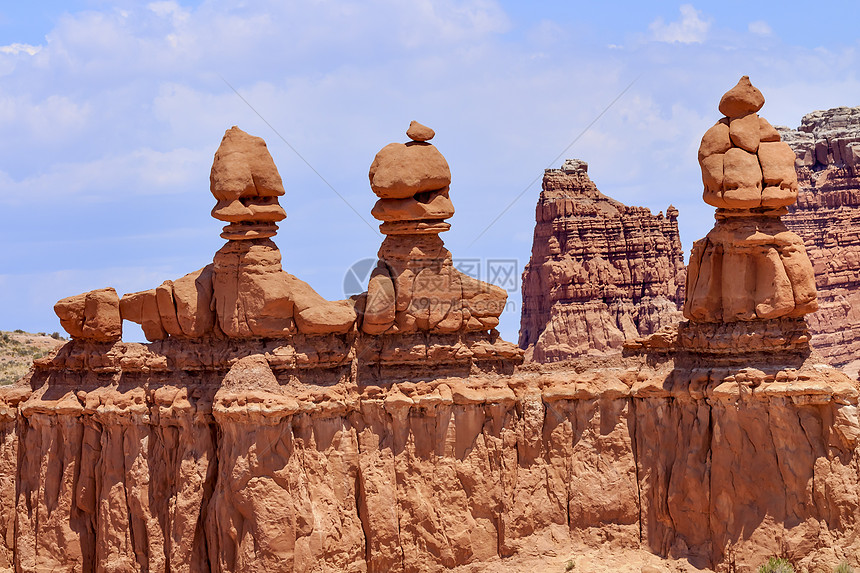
(6, 338)
(18, 331)
(56, 336)
(776, 565)
(844, 567)
(569, 565)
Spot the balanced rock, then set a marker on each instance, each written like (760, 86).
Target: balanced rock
(247, 185)
(244, 293)
(418, 132)
(253, 296)
(415, 286)
(744, 164)
(741, 100)
(92, 315)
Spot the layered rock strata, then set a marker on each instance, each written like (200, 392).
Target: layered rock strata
(267, 456)
(826, 216)
(600, 271)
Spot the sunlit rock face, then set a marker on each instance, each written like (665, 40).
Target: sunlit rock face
(750, 266)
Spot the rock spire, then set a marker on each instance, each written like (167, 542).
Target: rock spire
(244, 292)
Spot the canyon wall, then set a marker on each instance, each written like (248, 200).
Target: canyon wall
(600, 271)
(268, 457)
(827, 145)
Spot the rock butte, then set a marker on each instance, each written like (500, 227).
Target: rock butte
(600, 271)
(401, 446)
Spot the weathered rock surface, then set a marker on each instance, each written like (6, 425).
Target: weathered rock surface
(244, 293)
(186, 456)
(93, 315)
(600, 271)
(827, 145)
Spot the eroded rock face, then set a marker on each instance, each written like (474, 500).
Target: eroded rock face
(261, 456)
(827, 146)
(93, 315)
(600, 271)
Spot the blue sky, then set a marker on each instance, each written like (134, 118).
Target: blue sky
(111, 113)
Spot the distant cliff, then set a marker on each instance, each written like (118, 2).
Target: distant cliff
(600, 271)
(826, 215)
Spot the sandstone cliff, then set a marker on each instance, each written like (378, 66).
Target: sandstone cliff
(600, 271)
(827, 145)
(268, 456)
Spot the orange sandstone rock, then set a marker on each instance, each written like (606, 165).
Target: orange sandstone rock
(750, 266)
(741, 100)
(93, 315)
(247, 185)
(415, 287)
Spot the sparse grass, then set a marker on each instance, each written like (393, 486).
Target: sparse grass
(844, 567)
(18, 349)
(776, 565)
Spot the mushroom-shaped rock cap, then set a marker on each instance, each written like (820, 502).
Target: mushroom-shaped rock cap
(741, 100)
(244, 168)
(418, 132)
(402, 170)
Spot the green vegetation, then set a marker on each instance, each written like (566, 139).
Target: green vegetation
(776, 565)
(844, 567)
(569, 565)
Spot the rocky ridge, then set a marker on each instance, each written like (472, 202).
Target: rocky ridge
(827, 146)
(600, 272)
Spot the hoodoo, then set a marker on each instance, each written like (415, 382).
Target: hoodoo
(244, 293)
(267, 429)
(415, 286)
(750, 267)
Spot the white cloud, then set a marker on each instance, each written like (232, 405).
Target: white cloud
(15, 49)
(760, 28)
(690, 29)
(138, 172)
